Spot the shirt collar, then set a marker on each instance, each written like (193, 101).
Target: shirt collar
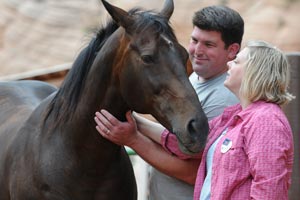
(235, 113)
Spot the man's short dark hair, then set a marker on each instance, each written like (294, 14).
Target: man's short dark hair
(221, 19)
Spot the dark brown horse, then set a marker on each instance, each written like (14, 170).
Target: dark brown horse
(49, 147)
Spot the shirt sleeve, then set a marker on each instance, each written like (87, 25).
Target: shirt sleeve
(269, 146)
(170, 144)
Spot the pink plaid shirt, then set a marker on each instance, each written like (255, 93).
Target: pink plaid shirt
(259, 163)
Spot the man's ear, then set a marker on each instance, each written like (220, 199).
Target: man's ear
(233, 49)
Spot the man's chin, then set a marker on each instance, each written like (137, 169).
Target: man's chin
(200, 64)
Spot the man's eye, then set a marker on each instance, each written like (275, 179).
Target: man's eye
(193, 40)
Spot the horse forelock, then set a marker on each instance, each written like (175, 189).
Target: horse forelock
(66, 99)
(145, 20)
(149, 19)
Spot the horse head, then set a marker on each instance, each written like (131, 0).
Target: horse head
(150, 72)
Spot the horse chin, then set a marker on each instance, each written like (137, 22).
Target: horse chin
(187, 150)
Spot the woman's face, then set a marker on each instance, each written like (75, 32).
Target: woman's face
(236, 71)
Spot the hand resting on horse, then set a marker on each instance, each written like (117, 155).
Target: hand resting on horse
(122, 133)
(126, 133)
(138, 133)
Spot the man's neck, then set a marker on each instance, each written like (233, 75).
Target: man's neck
(204, 79)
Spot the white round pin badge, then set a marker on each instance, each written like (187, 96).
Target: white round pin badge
(226, 145)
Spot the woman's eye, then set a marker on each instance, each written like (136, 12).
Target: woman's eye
(147, 59)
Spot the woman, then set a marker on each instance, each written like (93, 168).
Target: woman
(249, 150)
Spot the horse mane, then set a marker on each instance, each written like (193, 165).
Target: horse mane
(66, 99)
(71, 87)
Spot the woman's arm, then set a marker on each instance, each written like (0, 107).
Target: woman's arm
(269, 146)
(126, 133)
(159, 158)
(149, 128)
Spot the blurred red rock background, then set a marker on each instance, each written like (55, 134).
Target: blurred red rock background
(38, 34)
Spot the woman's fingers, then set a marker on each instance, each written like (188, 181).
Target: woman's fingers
(112, 121)
(101, 127)
(111, 128)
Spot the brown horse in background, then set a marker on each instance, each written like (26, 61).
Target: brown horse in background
(49, 147)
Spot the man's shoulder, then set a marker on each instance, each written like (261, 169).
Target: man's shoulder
(218, 90)
(223, 96)
(213, 92)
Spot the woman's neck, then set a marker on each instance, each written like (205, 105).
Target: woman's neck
(244, 102)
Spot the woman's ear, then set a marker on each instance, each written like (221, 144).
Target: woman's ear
(233, 50)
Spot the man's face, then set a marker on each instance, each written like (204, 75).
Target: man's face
(208, 54)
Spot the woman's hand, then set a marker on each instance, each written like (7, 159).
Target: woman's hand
(122, 133)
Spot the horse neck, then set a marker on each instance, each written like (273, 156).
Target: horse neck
(101, 89)
(74, 119)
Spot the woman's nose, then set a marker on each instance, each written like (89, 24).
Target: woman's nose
(229, 64)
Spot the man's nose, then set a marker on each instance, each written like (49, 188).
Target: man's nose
(199, 48)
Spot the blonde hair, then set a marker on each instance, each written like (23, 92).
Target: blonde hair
(267, 74)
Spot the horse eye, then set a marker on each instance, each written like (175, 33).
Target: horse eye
(148, 59)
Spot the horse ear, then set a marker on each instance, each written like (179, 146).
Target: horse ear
(119, 15)
(167, 9)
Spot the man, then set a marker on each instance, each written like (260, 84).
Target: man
(215, 40)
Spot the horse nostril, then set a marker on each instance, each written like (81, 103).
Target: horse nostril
(192, 128)
(198, 131)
